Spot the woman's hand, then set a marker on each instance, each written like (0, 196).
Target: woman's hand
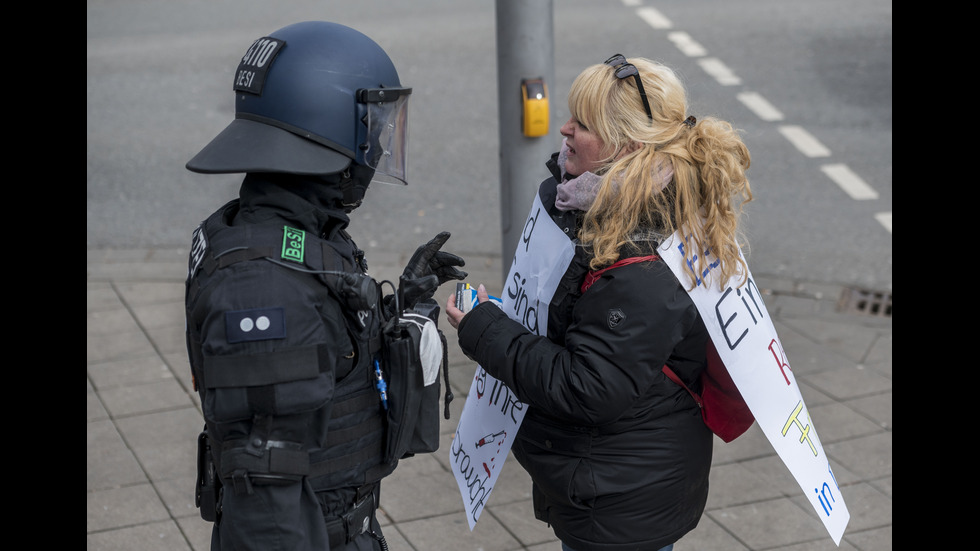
(455, 315)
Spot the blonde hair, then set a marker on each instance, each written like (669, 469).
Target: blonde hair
(709, 160)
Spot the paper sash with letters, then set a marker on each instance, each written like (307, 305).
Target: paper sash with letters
(742, 332)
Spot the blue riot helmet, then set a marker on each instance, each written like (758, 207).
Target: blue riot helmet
(314, 98)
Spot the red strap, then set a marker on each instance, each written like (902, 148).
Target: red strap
(673, 377)
(592, 277)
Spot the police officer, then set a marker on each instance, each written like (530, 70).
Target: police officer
(284, 327)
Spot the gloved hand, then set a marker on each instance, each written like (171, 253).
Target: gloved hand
(428, 268)
(428, 260)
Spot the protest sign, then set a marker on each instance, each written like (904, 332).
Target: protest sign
(742, 331)
(492, 413)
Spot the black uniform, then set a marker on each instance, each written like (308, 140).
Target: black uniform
(284, 367)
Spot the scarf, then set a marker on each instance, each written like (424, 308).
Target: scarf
(578, 192)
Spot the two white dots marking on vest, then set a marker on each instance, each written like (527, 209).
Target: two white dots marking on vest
(261, 323)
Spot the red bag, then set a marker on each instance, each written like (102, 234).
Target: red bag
(722, 407)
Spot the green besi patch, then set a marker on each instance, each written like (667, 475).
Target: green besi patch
(293, 241)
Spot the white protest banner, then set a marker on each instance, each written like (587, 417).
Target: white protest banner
(492, 413)
(742, 332)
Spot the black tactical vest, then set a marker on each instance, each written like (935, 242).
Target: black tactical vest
(282, 333)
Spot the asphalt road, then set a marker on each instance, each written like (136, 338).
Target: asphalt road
(159, 88)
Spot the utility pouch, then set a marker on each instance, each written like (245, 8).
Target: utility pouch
(208, 484)
(412, 355)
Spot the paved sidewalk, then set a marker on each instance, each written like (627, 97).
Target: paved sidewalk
(143, 419)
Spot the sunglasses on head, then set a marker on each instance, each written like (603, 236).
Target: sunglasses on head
(625, 70)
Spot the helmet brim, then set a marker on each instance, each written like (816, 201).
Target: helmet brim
(251, 146)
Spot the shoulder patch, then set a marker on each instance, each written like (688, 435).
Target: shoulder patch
(293, 244)
(199, 244)
(257, 324)
(616, 316)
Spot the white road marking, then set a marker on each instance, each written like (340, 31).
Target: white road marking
(686, 44)
(885, 219)
(804, 141)
(654, 18)
(851, 183)
(714, 67)
(758, 105)
(807, 144)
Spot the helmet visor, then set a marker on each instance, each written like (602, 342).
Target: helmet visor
(386, 148)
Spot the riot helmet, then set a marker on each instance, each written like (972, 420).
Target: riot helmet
(313, 98)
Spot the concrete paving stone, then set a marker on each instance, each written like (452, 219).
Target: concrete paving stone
(160, 315)
(852, 340)
(773, 473)
(165, 442)
(883, 485)
(752, 444)
(180, 369)
(145, 398)
(109, 322)
(100, 296)
(148, 368)
(442, 455)
(882, 368)
(768, 524)
(178, 496)
(708, 536)
(157, 536)
(879, 539)
(109, 462)
(803, 354)
(822, 544)
(451, 531)
(448, 426)
(519, 519)
(123, 506)
(163, 266)
(169, 340)
(734, 484)
(881, 351)
(123, 345)
(462, 372)
(197, 531)
(777, 475)
(794, 306)
(401, 492)
(835, 421)
(868, 508)
(424, 463)
(395, 539)
(550, 546)
(877, 408)
(869, 457)
(812, 396)
(94, 409)
(122, 255)
(849, 381)
(157, 292)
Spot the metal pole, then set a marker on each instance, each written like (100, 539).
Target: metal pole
(525, 49)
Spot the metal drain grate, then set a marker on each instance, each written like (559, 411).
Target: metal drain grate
(872, 303)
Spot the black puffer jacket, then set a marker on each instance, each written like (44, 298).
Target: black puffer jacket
(618, 454)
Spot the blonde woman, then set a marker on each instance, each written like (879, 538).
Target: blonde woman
(618, 453)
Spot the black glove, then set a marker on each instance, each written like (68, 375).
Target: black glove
(428, 260)
(427, 270)
(413, 291)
